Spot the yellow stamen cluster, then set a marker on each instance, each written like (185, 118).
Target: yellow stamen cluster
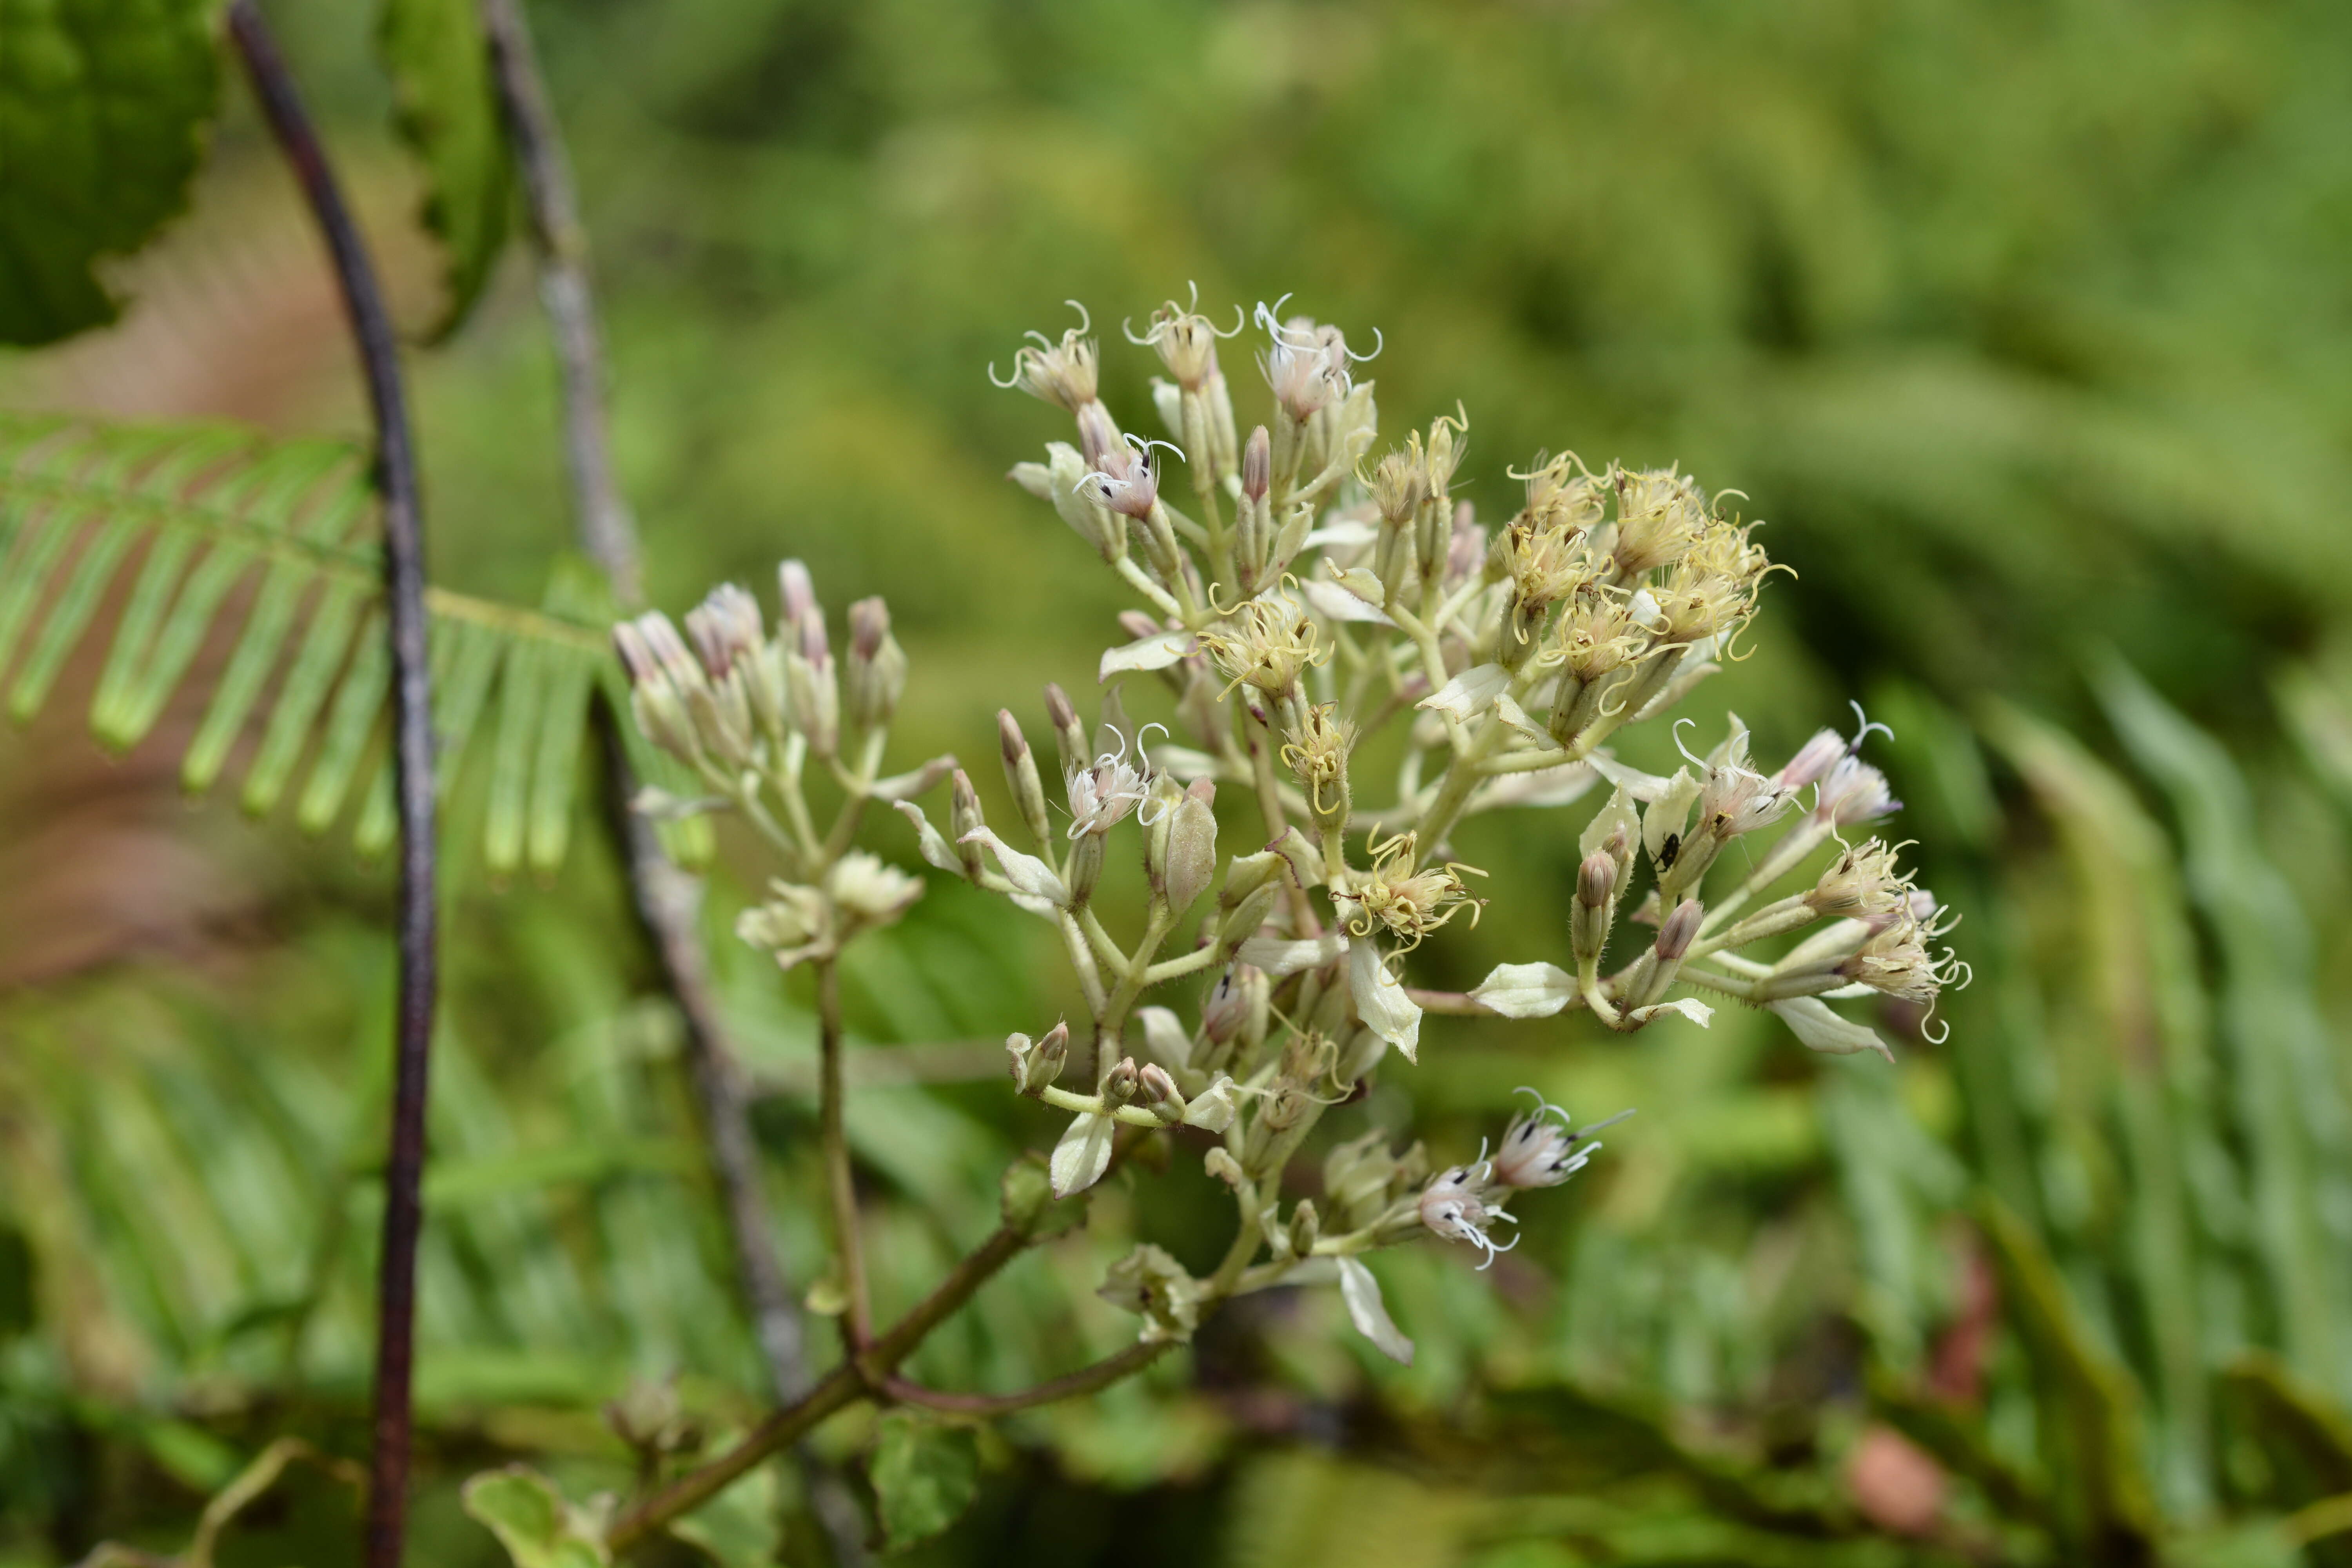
(1316, 750)
(1406, 903)
(1661, 514)
(1266, 644)
(1712, 589)
(1598, 632)
(1563, 494)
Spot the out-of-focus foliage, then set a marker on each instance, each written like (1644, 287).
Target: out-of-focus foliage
(96, 96)
(2025, 327)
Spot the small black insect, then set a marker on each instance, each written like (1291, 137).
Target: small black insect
(1668, 850)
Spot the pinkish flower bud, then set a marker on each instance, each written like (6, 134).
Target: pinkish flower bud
(1122, 1082)
(1257, 465)
(1596, 880)
(1680, 930)
(1069, 734)
(1158, 1092)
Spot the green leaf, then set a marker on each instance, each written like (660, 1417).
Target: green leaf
(532, 1521)
(740, 1528)
(925, 1474)
(2088, 1408)
(446, 108)
(216, 507)
(103, 105)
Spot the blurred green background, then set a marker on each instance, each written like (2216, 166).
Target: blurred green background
(2027, 327)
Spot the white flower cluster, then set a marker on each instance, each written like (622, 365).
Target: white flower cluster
(1305, 598)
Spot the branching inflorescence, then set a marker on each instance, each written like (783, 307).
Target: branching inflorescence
(1314, 598)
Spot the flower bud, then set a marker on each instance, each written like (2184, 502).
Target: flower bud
(1122, 1082)
(1305, 1226)
(799, 594)
(1021, 777)
(1084, 869)
(1257, 465)
(1035, 1066)
(1680, 929)
(1191, 847)
(1596, 904)
(876, 671)
(725, 628)
(1158, 1092)
(1069, 735)
(654, 698)
(964, 816)
(1247, 916)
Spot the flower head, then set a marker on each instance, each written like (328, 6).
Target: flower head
(1102, 794)
(1563, 496)
(1863, 884)
(1406, 903)
(1661, 514)
(1896, 960)
(1062, 373)
(1538, 1152)
(1853, 791)
(1126, 476)
(1317, 753)
(1454, 1205)
(1265, 644)
(1186, 340)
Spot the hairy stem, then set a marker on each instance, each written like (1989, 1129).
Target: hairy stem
(412, 729)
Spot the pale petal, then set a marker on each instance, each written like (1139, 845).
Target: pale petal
(1083, 1154)
(1361, 1292)
(1690, 1007)
(1166, 1039)
(1615, 813)
(1027, 874)
(1668, 815)
(1819, 1027)
(1342, 602)
(1343, 535)
(1526, 989)
(1212, 1108)
(1632, 781)
(1148, 653)
(932, 843)
(1380, 1001)
(1470, 693)
(1278, 957)
(1537, 786)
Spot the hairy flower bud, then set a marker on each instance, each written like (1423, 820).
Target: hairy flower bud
(1159, 1094)
(1121, 1082)
(1596, 904)
(1035, 1066)
(1257, 465)
(1678, 930)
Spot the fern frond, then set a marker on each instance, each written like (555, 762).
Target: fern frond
(226, 523)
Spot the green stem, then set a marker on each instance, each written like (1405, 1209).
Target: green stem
(1069, 1385)
(856, 1323)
